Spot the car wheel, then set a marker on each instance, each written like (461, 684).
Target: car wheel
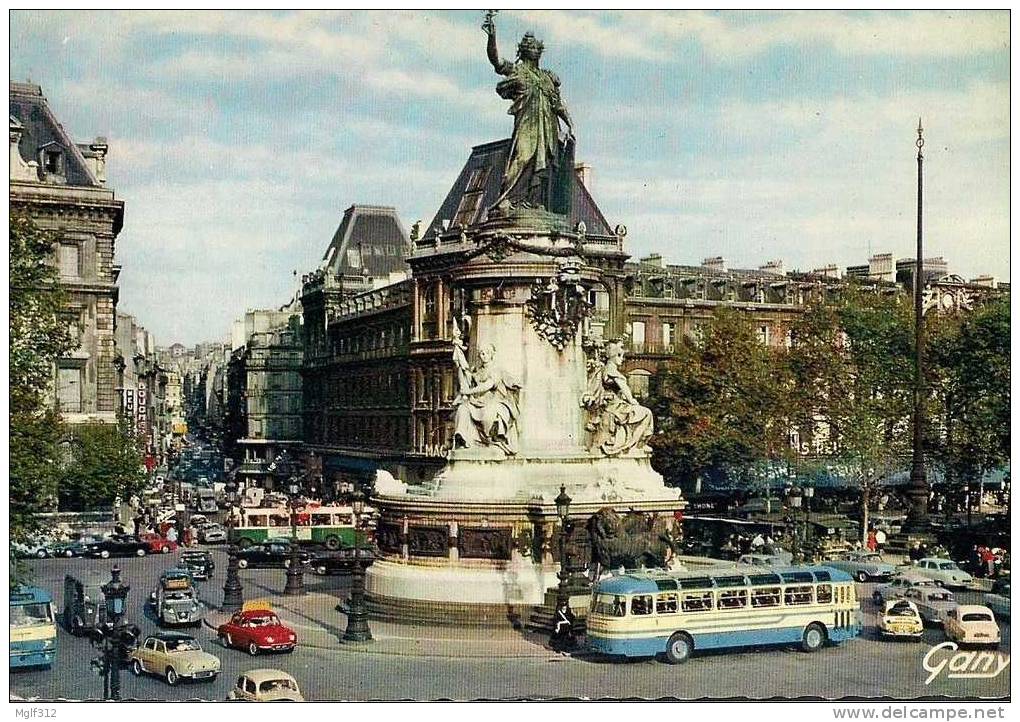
(226, 641)
(286, 563)
(77, 625)
(938, 583)
(171, 676)
(136, 667)
(140, 552)
(679, 648)
(105, 554)
(41, 554)
(164, 549)
(862, 577)
(69, 554)
(814, 637)
(320, 570)
(253, 649)
(212, 678)
(242, 563)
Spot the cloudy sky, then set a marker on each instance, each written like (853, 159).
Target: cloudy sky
(237, 139)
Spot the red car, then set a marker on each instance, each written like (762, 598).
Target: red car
(158, 544)
(257, 630)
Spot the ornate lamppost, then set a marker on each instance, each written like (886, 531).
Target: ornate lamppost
(809, 493)
(113, 634)
(562, 511)
(357, 615)
(233, 591)
(794, 496)
(295, 572)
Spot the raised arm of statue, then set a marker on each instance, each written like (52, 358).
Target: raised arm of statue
(489, 26)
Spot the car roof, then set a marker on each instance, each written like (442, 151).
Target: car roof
(900, 602)
(170, 636)
(264, 674)
(257, 613)
(964, 608)
(935, 559)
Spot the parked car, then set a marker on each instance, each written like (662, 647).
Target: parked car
(199, 563)
(780, 558)
(898, 586)
(269, 554)
(266, 685)
(944, 572)
(212, 534)
(72, 547)
(901, 619)
(39, 549)
(341, 561)
(174, 656)
(998, 598)
(932, 602)
(972, 624)
(119, 545)
(158, 544)
(861, 565)
(198, 520)
(257, 630)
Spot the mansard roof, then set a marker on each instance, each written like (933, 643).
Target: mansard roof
(39, 129)
(370, 240)
(485, 166)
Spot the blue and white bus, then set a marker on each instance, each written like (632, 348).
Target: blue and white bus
(647, 613)
(33, 629)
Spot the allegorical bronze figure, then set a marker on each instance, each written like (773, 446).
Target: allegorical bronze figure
(540, 165)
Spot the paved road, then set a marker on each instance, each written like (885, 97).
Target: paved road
(867, 667)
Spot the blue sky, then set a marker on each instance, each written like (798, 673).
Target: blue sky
(237, 139)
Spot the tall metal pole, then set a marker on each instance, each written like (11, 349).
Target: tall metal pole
(917, 515)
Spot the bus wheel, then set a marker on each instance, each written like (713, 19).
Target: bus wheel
(814, 637)
(679, 648)
(244, 542)
(332, 543)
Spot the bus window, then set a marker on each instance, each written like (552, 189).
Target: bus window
(797, 595)
(697, 602)
(824, 593)
(733, 599)
(344, 520)
(257, 520)
(666, 604)
(641, 604)
(765, 597)
(278, 520)
(608, 605)
(320, 519)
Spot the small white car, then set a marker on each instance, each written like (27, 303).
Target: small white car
(972, 624)
(266, 685)
(998, 599)
(901, 619)
(943, 571)
(933, 603)
(897, 588)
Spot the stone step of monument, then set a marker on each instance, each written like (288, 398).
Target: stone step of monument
(453, 614)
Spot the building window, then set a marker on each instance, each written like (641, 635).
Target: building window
(467, 211)
(763, 335)
(637, 333)
(69, 260)
(667, 335)
(52, 162)
(69, 384)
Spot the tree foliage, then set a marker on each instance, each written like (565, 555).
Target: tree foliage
(37, 338)
(104, 463)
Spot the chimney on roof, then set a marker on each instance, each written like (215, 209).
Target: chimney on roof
(829, 271)
(96, 158)
(715, 263)
(775, 267)
(586, 173)
(654, 259)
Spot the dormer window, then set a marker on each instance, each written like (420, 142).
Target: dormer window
(51, 161)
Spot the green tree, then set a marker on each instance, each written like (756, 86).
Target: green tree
(969, 374)
(105, 463)
(721, 403)
(38, 337)
(852, 365)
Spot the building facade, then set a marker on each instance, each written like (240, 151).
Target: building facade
(61, 185)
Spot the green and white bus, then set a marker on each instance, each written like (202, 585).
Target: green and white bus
(332, 526)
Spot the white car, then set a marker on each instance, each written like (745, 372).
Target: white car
(897, 588)
(933, 603)
(972, 624)
(998, 599)
(943, 571)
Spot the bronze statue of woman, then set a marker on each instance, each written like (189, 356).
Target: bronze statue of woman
(538, 163)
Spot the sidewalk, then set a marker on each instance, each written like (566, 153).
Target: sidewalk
(318, 624)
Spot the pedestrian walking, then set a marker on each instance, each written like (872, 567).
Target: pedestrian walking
(872, 543)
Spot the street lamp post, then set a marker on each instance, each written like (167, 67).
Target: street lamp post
(233, 591)
(113, 634)
(794, 498)
(357, 615)
(295, 574)
(809, 493)
(562, 511)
